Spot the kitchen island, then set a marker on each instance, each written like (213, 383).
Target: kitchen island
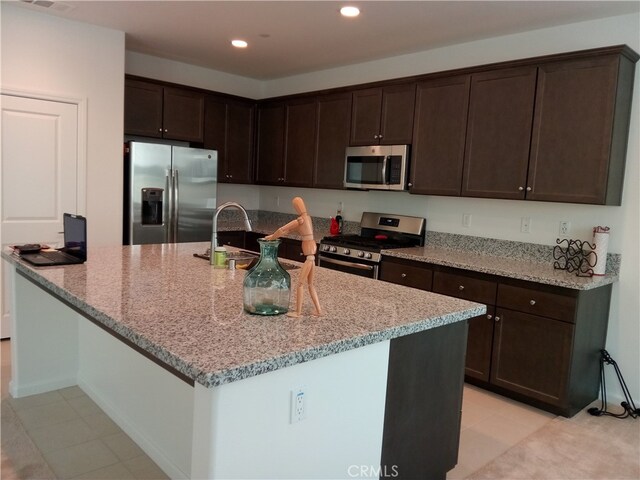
(159, 339)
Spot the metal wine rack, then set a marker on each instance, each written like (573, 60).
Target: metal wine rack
(575, 256)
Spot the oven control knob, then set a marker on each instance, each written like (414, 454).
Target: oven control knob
(361, 254)
(334, 249)
(325, 248)
(346, 251)
(367, 255)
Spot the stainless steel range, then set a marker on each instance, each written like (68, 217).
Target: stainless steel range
(360, 254)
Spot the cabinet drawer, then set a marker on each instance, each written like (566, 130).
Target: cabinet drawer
(468, 288)
(537, 302)
(408, 275)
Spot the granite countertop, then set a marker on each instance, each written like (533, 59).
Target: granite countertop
(504, 266)
(189, 315)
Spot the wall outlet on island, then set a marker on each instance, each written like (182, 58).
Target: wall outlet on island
(298, 404)
(466, 220)
(565, 228)
(525, 224)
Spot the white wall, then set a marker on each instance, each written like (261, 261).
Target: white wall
(45, 55)
(185, 74)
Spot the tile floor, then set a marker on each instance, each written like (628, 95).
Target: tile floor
(77, 440)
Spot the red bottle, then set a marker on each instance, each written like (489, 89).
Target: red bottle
(334, 229)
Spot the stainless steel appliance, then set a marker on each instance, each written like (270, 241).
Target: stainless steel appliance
(360, 254)
(377, 167)
(170, 193)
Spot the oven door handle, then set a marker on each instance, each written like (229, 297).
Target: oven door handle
(348, 264)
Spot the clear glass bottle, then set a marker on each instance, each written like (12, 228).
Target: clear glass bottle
(267, 286)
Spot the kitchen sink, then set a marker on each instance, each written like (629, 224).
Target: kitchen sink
(245, 259)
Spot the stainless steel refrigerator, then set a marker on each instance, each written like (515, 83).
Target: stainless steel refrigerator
(170, 193)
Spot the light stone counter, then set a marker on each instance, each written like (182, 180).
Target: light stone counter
(189, 316)
(521, 268)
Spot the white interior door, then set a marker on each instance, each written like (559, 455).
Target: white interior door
(39, 176)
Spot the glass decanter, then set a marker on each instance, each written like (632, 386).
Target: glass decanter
(267, 286)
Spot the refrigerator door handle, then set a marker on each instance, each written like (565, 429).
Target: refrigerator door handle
(176, 200)
(168, 221)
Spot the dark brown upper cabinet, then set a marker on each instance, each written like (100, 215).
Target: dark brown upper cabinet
(228, 128)
(334, 120)
(383, 115)
(499, 133)
(300, 142)
(271, 138)
(439, 131)
(158, 111)
(580, 130)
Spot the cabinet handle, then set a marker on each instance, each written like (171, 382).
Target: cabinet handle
(521, 188)
(409, 184)
(528, 189)
(160, 130)
(165, 130)
(461, 287)
(380, 136)
(403, 275)
(376, 136)
(230, 176)
(489, 317)
(532, 302)
(497, 318)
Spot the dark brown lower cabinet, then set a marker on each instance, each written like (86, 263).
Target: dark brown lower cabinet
(531, 355)
(233, 238)
(424, 403)
(479, 345)
(539, 344)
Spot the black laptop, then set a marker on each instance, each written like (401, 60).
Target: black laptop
(75, 245)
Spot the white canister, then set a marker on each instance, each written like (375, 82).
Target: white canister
(601, 242)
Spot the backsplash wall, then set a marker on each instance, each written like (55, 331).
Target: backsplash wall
(500, 219)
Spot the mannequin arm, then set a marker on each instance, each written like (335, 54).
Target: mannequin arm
(292, 225)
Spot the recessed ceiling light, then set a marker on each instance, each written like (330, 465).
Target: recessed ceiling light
(239, 43)
(350, 11)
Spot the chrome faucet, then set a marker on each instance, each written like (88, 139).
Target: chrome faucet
(214, 229)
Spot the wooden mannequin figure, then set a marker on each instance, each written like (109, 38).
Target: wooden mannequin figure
(305, 228)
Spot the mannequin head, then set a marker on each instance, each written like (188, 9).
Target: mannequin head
(298, 205)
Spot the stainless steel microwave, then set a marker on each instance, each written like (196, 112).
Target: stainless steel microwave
(378, 167)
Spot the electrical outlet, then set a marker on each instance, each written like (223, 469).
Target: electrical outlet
(277, 200)
(466, 220)
(340, 207)
(298, 404)
(525, 224)
(565, 228)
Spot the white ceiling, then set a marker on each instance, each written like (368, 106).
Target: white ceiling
(292, 37)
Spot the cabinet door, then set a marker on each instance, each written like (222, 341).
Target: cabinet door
(183, 115)
(479, 345)
(439, 130)
(239, 142)
(215, 128)
(499, 133)
(270, 158)
(365, 117)
(572, 132)
(142, 108)
(334, 120)
(409, 274)
(232, 238)
(531, 355)
(300, 144)
(396, 122)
